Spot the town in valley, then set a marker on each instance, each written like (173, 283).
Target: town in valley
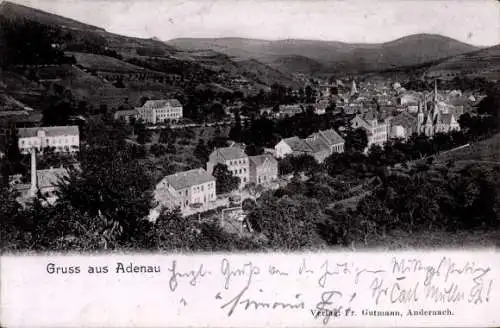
(113, 142)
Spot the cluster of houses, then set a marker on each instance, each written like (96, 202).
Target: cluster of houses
(153, 112)
(197, 187)
(185, 189)
(319, 145)
(35, 140)
(430, 115)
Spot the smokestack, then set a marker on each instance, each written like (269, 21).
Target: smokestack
(34, 183)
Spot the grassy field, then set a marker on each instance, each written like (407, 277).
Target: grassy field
(105, 63)
(485, 150)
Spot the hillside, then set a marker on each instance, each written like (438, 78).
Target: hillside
(16, 11)
(144, 66)
(334, 56)
(483, 63)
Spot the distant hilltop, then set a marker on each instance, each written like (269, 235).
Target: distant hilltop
(294, 55)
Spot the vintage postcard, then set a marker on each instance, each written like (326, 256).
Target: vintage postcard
(249, 163)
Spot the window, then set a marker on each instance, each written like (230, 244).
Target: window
(244, 179)
(186, 193)
(202, 188)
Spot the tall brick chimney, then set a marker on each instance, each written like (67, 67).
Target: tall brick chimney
(34, 182)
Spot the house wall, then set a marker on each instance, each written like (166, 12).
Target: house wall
(282, 149)
(168, 113)
(63, 143)
(337, 148)
(264, 173)
(160, 114)
(240, 168)
(201, 193)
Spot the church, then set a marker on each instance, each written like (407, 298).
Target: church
(434, 116)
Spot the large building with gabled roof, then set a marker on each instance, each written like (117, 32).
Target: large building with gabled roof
(160, 111)
(186, 188)
(236, 160)
(319, 145)
(60, 138)
(263, 169)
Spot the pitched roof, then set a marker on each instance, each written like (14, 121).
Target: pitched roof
(331, 137)
(260, 159)
(446, 119)
(125, 112)
(162, 103)
(317, 145)
(50, 177)
(50, 131)
(297, 144)
(189, 178)
(229, 153)
(368, 116)
(404, 119)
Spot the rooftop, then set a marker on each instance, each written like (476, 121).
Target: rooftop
(182, 180)
(50, 131)
(297, 144)
(162, 103)
(50, 177)
(331, 137)
(260, 159)
(229, 153)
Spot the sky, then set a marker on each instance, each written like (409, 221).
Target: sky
(475, 22)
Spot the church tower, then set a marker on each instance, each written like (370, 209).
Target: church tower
(436, 112)
(420, 117)
(354, 89)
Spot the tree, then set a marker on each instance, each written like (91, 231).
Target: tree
(288, 223)
(356, 140)
(110, 184)
(248, 204)
(236, 131)
(225, 181)
(310, 95)
(60, 106)
(26, 42)
(143, 135)
(143, 100)
(201, 151)
(217, 111)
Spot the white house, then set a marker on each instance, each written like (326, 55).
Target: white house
(60, 138)
(186, 188)
(159, 111)
(377, 129)
(236, 160)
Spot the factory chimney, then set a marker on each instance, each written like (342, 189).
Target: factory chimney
(34, 182)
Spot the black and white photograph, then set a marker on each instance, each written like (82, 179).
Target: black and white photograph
(249, 126)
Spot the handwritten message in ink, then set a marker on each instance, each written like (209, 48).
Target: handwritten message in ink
(330, 289)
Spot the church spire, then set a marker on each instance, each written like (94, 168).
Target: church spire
(354, 89)
(435, 92)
